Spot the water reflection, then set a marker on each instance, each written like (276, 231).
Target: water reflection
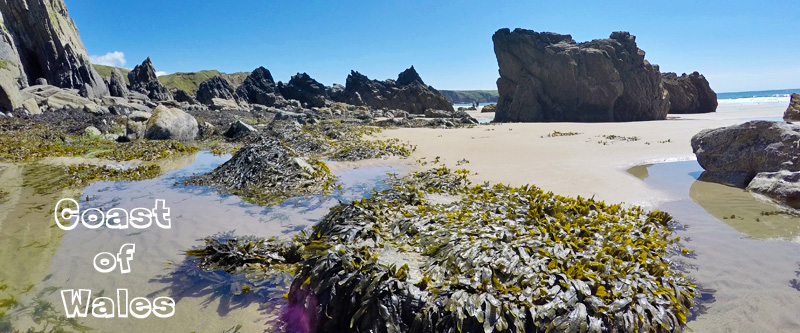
(206, 301)
(736, 207)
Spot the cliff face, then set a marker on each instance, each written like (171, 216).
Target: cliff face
(689, 93)
(550, 77)
(47, 45)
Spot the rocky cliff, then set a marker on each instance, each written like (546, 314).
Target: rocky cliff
(689, 93)
(550, 77)
(39, 40)
(408, 93)
(143, 79)
(469, 96)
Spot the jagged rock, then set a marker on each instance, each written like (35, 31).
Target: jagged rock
(549, 77)
(793, 111)
(143, 80)
(39, 40)
(412, 95)
(303, 88)
(169, 123)
(239, 129)
(735, 154)
(431, 113)
(259, 88)
(489, 108)
(183, 96)
(689, 93)
(782, 186)
(116, 84)
(215, 87)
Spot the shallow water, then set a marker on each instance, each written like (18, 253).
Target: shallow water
(750, 263)
(196, 213)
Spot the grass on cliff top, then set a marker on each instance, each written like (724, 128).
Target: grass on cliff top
(189, 82)
(105, 72)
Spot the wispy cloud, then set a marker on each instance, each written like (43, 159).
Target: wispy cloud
(116, 59)
(160, 73)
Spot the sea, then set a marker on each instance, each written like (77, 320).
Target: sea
(756, 97)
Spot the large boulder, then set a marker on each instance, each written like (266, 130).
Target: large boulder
(408, 93)
(259, 88)
(40, 40)
(793, 111)
(549, 77)
(215, 87)
(735, 154)
(303, 88)
(143, 79)
(169, 123)
(689, 93)
(116, 84)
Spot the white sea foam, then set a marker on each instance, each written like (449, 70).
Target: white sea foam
(775, 99)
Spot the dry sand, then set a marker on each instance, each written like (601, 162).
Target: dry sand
(755, 282)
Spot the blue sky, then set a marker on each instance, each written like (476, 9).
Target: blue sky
(738, 45)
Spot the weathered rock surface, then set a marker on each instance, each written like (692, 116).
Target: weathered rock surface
(239, 129)
(54, 98)
(735, 154)
(39, 40)
(689, 93)
(408, 93)
(303, 88)
(489, 108)
(549, 77)
(116, 84)
(793, 111)
(215, 87)
(183, 96)
(782, 186)
(169, 123)
(259, 88)
(143, 79)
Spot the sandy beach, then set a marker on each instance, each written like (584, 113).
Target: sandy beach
(750, 278)
(585, 164)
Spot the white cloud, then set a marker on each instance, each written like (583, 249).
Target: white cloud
(160, 73)
(116, 59)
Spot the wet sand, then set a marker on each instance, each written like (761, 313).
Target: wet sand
(754, 281)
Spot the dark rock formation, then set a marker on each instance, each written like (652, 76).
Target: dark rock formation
(735, 154)
(792, 112)
(238, 129)
(259, 88)
(489, 108)
(408, 93)
(308, 91)
(39, 40)
(689, 93)
(143, 80)
(550, 77)
(116, 84)
(168, 123)
(215, 87)
(183, 96)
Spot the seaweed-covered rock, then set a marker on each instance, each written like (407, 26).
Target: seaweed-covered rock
(689, 93)
(792, 112)
(408, 93)
(431, 113)
(549, 77)
(735, 154)
(435, 254)
(215, 87)
(170, 124)
(259, 88)
(489, 108)
(268, 172)
(308, 91)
